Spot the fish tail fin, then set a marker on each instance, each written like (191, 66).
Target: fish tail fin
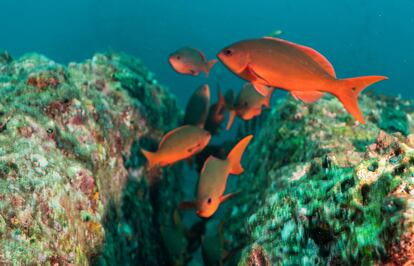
(232, 115)
(151, 158)
(210, 64)
(349, 90)
(236, 154)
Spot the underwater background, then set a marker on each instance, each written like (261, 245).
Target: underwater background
(358, 36)
(85, 86)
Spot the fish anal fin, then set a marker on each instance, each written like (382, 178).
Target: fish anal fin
(151, 158)
(307, 96)
(236, 154)
(315, 55)
(194, 73)
(268, 97)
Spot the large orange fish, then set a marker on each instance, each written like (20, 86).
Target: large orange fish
(248, 104)
(178, 144)
(197, 108)
(190, 61)
(299, 69)
(213, 180)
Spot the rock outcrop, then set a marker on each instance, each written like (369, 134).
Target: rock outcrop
(72, 185)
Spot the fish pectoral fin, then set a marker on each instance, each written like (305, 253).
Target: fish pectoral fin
(307, 96)
(232, 115)
(226, 197)
(250, 74)
(194, 148)
(187, 205)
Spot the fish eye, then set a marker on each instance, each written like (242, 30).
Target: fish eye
(246, 104)
(228, 52)
(209, 200)
(178, 57)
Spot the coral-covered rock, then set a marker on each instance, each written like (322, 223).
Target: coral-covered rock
(72, 185)
(321, 189)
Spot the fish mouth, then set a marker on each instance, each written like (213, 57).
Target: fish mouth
(171, 60)
(219, 55)
(202, 214)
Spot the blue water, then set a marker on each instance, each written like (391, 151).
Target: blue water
(359, 37)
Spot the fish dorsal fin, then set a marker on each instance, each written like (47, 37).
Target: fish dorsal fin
(315, 55)
(307, 96)
(201, 55)
(169, 134)
(211, 157)
(262, 89)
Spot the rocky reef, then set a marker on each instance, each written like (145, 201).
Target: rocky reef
(318, 188)
(321, 189)
(72, 186)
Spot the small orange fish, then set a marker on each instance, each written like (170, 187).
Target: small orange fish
(178, 144)
(299, 69)
(216, 114)
(249, 104)
(197, 108)
(190, 61)
(213, 180)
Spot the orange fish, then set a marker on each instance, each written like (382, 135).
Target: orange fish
(299, 69)
(178, 144)
(249, 104)
(190, 61)
(197, 108)
(216, 114)
(213, 180)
